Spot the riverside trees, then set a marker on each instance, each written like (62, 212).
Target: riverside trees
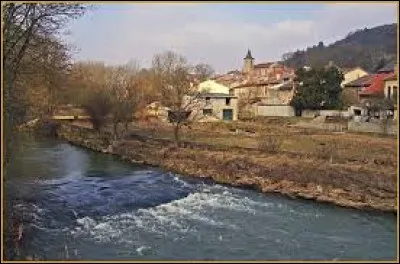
(113, 94)
(178, 91)
(34, 59)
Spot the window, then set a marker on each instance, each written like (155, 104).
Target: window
(207, 112)
(227, 101)
(389, 91)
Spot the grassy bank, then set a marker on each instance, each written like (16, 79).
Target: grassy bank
(270, 155)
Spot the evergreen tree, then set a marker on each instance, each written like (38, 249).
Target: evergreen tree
(318, 88)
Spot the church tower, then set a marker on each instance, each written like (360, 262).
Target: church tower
(248, 62)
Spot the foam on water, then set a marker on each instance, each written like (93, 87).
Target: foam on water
(179, 216)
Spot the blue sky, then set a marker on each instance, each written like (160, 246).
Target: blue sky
(218, 34)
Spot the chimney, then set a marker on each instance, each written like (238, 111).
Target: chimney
(396, 68)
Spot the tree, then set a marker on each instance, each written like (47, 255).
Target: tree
(43, 75)
(171, 76)
(27, 27)
(245, 102)
(110, 94)
(98, 106)
(319, 88)
(125, 97)
(204, 71)
(287, 56)
(363, 48)
(380, 64)
(349, 97)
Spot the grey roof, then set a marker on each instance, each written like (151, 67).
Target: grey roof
(248, 55)
(220, 95)
(387, 68)
(286, 86)
(361, 82)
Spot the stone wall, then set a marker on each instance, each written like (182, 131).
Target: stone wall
(273, 110)
(314, 113)
(333, 127)
(373, 127)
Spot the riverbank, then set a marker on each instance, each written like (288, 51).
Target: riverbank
(367, 184)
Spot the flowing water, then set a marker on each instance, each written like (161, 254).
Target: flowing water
(77, 204)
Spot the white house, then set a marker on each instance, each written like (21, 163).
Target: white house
(211, 86)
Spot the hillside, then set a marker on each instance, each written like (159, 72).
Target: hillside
(369, 48)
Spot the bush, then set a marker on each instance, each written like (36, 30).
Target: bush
(327, 150)
(269, 143)
(98, 106)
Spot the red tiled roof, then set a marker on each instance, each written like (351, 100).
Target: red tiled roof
(376, 86)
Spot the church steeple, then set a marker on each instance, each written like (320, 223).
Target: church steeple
(248, 55)
(248, 62)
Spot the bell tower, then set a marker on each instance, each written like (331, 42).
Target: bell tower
(248, 62)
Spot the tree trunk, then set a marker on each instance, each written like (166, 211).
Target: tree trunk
(176, 135)
(126, 127)
(115, 131)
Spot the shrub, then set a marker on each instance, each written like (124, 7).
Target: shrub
(269, 143)
(327, 150)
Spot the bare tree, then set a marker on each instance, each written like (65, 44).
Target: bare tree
(98, 106)
(26, 27)
(204, 71)
(126, 97)
(171, 77)
(287, 56)
(245, 102)
(27, 24)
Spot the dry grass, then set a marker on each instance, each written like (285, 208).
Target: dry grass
(269, 143)
(344, 148)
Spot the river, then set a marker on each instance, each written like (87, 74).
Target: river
(82, 205)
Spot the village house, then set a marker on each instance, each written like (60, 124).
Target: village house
(351, 90)
(376, 90)
(390, 86)
(154, 111)
(208, 107)
(352, 74)
(213, 86)
(267, 87)
(277, 103)
(372, 89)
(254, 80)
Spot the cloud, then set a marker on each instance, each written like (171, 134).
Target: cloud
(218, 36)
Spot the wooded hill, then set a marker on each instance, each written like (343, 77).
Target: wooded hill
(370, 48)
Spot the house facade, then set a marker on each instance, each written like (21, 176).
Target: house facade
(214, 107)
(351, 90)
(391, 86)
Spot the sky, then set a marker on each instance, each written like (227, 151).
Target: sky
(216, 33)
